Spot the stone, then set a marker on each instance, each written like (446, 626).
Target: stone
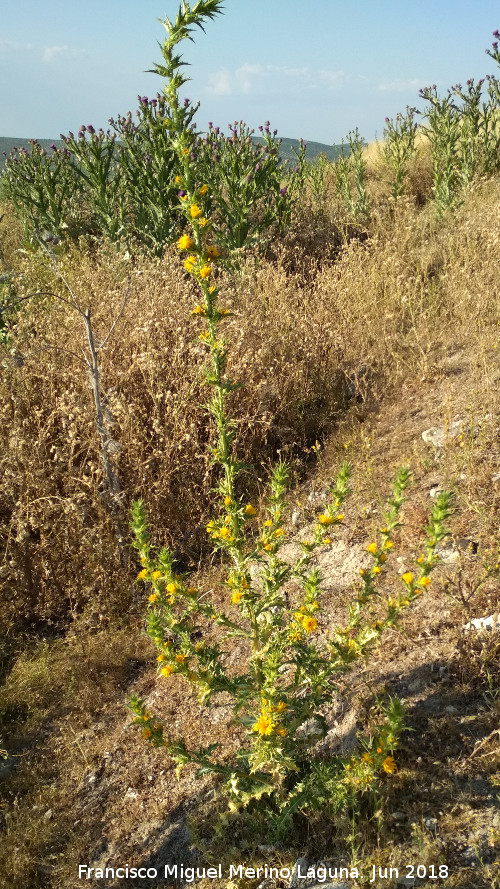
(484, 623)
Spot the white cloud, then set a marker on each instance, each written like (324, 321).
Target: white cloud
(400, 86)
(14, 46)
(53, 53)
(250, 77)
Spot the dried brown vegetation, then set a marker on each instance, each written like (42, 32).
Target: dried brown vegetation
(357, 340)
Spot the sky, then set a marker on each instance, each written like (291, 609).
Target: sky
(314, 69)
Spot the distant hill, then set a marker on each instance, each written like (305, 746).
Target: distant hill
(313, 149)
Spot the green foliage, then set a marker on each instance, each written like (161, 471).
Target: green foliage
(350, 170)
(399, 147)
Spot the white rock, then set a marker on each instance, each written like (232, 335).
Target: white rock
(484, 623)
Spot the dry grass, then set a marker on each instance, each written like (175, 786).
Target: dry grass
(414, 301)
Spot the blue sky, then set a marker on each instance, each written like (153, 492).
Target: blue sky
(315, 69)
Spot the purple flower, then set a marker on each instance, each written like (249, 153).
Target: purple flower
(90, 128)
(186, 103)
(181, 193)
(283, 192)
(496, 34)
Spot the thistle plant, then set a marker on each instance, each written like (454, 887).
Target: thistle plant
(289, 668)
(148, 165)
(443, 132)
(252, 191)
(42, 186)
(350, 171)
(96, 166)
(399, 147)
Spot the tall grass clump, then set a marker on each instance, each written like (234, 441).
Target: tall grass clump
(288, 670)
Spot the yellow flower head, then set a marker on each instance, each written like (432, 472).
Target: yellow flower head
(198, 310)
(227, 500)
(212, 252)
(153, 598)
(177, 180)
(424, 581)
(146, 732)
(235, 598)
(194, 211)
(324, 519)
(142, 574)
(185, 242)
(376, 569)
(250, 510)
(326, 540)
(407, 578)
(166, 671)
(389, 765)
(280, 706)
(203, 189)
(189, 263)
(160, 658)
(156, 575)
(371, 548)
(205, 271)
(264, 724)
(279, 730)
(309, 624)
(267, 523)
(180, 658)
(171, 588)
(202, 221)
(388, 544)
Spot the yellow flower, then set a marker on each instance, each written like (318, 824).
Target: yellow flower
(339, 517)
(153, 598)
(280, 706)
(205, 271)
(326, 540)
(203, 189)
(202, 221)
(407, 578)
(264, 724)
(142, 574)
(180, 658)
(279, 532)
(194, 211)
(324, 519)
(309, 624)
(389, 765)
(177, 180)
(166, 671)
(171, 588)
(146, 732)
(227, 500)
(366, 757)
(279, 730)
(156, 575)
(420, 560)
(212, 252)
(298, 615)
(225, 534)
(160, 658)
(185, 151)
(371, 548)
(235, 598)
(376, 569)
(189, 263)
(382, 557)
(198, 310)
(424, 581)
(388, 544)
(250, 510)
(185, 242)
